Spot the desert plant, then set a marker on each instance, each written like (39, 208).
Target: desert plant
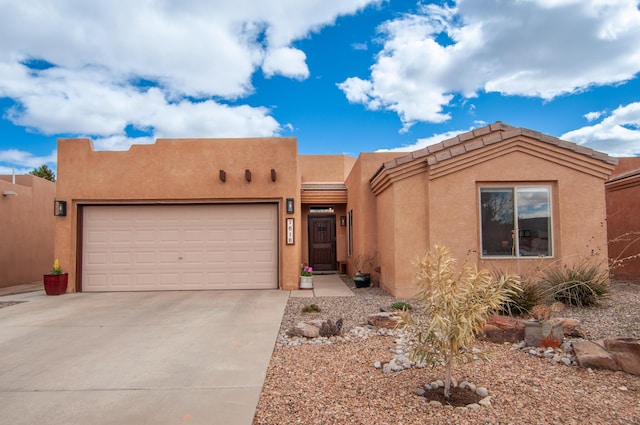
(330, 328)
(363, 263)
(457, 304)
(401, 305)
(311, 308)
(525, 294)
(579, 284)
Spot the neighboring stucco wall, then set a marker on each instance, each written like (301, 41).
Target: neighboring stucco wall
(175, 171)
(623, 220)
(27, 228)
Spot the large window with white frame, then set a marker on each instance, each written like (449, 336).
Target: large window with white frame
(515, 221)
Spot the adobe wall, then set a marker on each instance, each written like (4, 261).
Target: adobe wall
(410, 233)
(175, 171)
(366, 223)
(578, 209)
(27, 223)
(325, 168)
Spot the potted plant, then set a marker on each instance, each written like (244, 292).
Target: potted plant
(363, 264)
(55, 282)
(306, 277)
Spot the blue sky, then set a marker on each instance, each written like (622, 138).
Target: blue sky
(343, 76)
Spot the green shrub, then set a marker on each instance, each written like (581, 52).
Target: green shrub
(401, 305)
(311, 308)
(580, 284)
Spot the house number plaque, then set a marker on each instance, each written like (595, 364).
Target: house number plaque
(290, 231)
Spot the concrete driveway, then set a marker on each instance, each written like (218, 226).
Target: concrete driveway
(136, 358)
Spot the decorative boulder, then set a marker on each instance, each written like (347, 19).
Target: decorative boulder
(592, 354)
(387, 320)
(502, 329)
(626, 351)
(316, 328)
(306, 330)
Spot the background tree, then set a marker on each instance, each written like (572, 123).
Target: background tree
(44, 172)
(457, 305)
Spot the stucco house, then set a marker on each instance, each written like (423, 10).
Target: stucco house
(623, 219)
(246, 213)
(27, 229)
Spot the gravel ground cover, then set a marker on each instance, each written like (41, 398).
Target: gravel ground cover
(335, 381)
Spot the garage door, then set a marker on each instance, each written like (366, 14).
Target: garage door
(179, 247)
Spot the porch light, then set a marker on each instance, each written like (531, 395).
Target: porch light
(273, 174)
(247, 175)
(60, 208)
(289, 205)
(223, 176)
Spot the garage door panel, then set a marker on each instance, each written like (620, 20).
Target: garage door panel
(174, 247)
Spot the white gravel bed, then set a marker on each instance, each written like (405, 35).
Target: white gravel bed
(335, 381)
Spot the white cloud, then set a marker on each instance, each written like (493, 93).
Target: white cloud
(592, 116)
(23, 161)
(618, 134)
(286, 61)
(538, 48)
(197, 55)
(424, 142)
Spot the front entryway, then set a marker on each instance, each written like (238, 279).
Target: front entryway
(322, 243)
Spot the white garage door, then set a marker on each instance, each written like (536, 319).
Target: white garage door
(179, 247)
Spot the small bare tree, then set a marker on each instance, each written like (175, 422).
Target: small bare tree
(457, 303)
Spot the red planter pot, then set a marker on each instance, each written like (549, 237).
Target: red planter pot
(55, 284)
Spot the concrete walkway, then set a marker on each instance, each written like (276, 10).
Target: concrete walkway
(325, 285)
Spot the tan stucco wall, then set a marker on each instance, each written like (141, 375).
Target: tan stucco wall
(27, 229)
(325, 168)
(623, 221)
(410, 232)
(177, 171)
(366, 222)
(449, 191)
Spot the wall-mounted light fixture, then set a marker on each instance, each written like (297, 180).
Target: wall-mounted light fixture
(60, 208)
(9, 193)
(289, 205)
(273, 174)
(247, 175)
(223, 176)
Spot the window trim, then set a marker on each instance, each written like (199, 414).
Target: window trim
(350, 233)
(514, 187)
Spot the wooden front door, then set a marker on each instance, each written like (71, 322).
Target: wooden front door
(322, 243)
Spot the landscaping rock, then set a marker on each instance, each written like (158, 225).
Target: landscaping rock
(305, 329)
(591, 354)
(626, 351)
(317, 328)
(388, 320)
(501, 329)
(571, 327)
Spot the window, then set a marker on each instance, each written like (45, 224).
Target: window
(350, 233)
(516, 221)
